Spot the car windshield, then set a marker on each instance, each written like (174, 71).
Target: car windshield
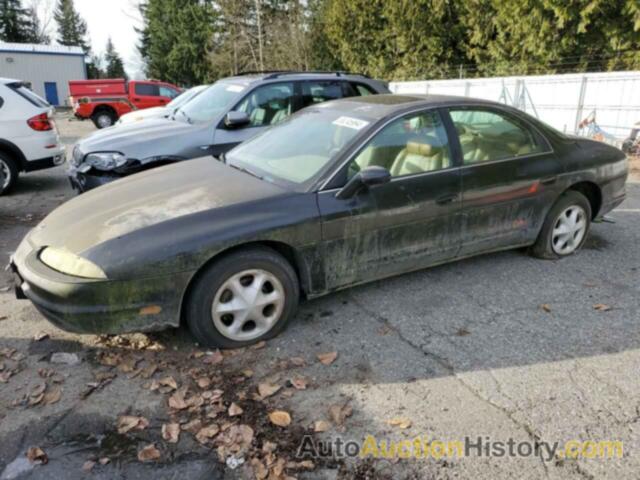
(208, 105)
(184, 97)
(297, 149)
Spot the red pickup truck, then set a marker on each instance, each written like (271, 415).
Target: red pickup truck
(105, 100)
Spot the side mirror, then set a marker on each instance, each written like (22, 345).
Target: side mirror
(236, 119)
(368, 177)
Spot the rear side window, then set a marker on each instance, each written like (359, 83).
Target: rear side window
(147, 89)
(362, 90)
(320, 91)
(28, 95)
(487, 135)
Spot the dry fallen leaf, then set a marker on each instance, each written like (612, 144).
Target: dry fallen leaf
(339, 413)
(52, 396)
(327, 358)
(235, 410)
(149, 453)
(399, 422)
(171, 432)
(206, 433)
(304, 464)
(546, 307)
(127, 423)
(280, 418)
(213, 358)
(321, 426)
(203, 382)
(267, 389)
(168, 382)
(298, 361)
(259, 345)
(601, 307)
(104, 460)
(88, 466)
(39, 336)
(176, 401)
(299, 383)
(36, 455)
(247, 372)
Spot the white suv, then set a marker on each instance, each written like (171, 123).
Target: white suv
(28, 136)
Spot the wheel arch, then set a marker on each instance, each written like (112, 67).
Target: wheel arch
(592, 192)
(289, 253)
(11, 149)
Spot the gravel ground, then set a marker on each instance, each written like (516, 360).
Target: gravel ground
(501, 346)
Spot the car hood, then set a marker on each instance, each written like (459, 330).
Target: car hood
(124, 138)
(147, 113)
(145, 199)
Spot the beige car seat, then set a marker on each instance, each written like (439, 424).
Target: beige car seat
(419, 157)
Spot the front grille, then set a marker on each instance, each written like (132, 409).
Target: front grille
(76, 156)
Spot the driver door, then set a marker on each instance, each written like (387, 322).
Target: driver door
(265, 105)
(409, 223)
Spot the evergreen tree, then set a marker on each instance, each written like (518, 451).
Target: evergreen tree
(16, 24)
(72, 29)
(36, 32)
(176, 38)
(114, 65)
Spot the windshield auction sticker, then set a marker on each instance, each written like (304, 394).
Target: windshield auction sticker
(350, 122)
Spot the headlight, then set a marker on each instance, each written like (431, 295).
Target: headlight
(106, 160)
(71, 264)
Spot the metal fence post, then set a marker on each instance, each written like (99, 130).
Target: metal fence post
(580, 106)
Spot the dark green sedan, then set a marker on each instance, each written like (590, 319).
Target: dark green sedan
(343, 193)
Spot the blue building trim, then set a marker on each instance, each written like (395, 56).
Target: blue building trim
(67, 54)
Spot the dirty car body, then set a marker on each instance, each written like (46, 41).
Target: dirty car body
(467, 189)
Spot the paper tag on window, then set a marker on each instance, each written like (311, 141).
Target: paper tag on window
(235, 88)
(350, 122)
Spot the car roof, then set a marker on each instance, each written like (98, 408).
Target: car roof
(379, 106)
(4, 80)
(250, 77)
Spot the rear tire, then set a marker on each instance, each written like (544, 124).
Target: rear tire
(242, 298)
(566, 227)
(8, 173)
(104, 118)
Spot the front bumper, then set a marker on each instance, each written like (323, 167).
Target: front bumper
(97, 306)
(82, 182)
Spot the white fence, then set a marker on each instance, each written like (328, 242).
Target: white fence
(562, 101)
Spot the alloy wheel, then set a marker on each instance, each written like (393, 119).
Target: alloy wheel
(248, 305)
(569, 230)
(104, 121)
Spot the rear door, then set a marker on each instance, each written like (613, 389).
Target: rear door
(409, 223)
(509, 178)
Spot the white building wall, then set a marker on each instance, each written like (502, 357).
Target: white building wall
(562, 101)
(38, 68)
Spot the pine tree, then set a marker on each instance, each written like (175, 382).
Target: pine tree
(114, 64)
(15, 22)
(72, 29)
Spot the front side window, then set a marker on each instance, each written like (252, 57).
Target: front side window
(168, 92)
(320, 91)
(146, 89)
(268, 104)
(487, 135)
(416, 143)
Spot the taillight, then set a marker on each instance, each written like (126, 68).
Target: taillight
(40, 122)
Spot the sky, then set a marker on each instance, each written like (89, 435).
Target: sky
(114, 18)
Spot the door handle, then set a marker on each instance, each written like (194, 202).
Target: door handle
(136, 99)
(549, 180)
(444, 199)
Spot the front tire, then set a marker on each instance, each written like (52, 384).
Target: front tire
(246, 296)
(8, 173)
(566, 227)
